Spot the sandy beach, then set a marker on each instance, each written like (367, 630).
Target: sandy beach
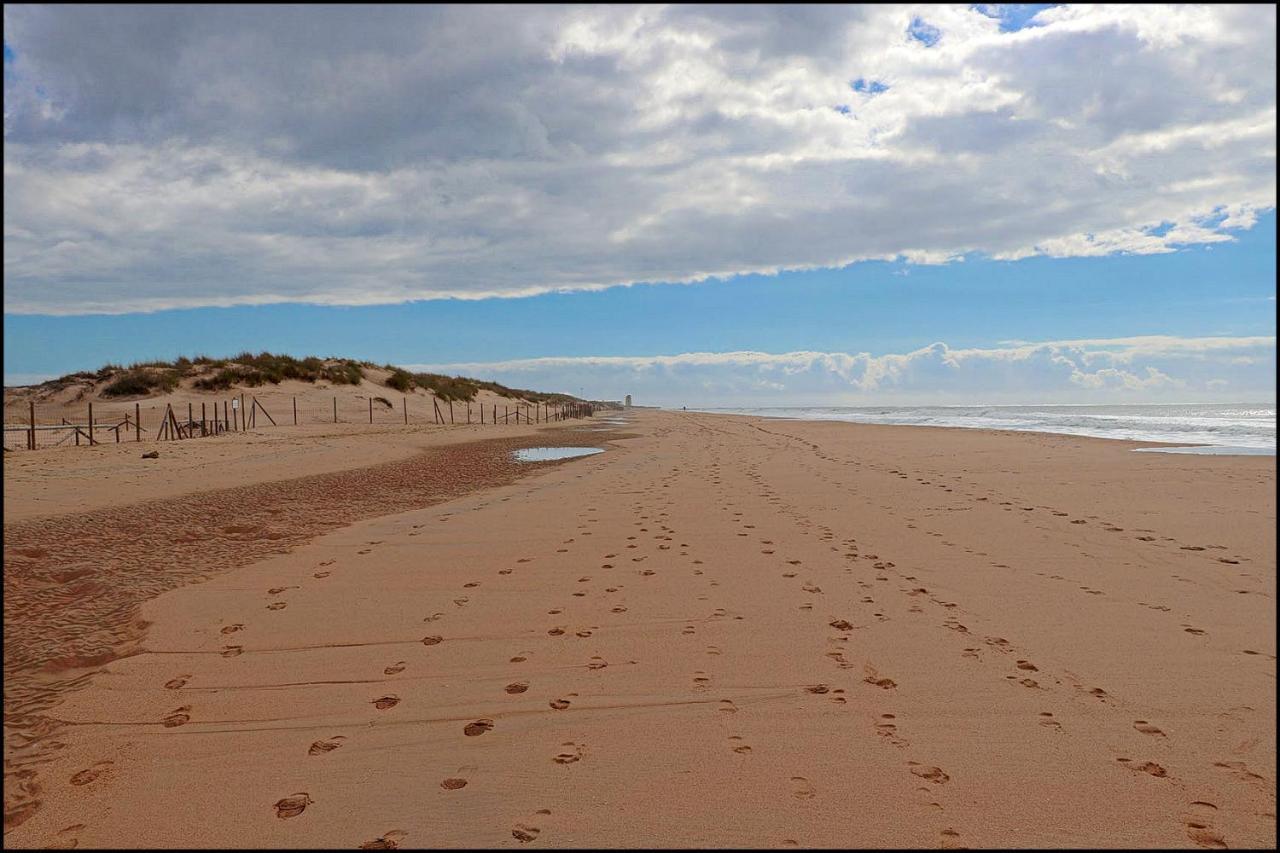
(722, 631)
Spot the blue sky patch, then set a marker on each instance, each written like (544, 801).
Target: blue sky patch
(925, 33)
(868, 87)
(1014, 16)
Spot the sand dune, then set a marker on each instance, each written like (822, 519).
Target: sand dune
(721, 632)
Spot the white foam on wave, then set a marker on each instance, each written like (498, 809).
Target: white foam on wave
(1243, 428)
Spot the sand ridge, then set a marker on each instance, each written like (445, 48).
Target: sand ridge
(722, 632)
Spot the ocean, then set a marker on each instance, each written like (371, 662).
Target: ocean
(1204, 428)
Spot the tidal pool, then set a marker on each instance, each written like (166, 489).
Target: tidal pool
(549, 454)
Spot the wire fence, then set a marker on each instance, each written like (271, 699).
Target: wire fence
(72, 425)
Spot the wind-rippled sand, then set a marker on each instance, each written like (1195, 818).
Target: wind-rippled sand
(723, 631)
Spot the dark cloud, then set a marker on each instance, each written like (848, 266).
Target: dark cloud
(186, 155)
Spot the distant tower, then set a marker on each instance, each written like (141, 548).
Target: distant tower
(628, 401)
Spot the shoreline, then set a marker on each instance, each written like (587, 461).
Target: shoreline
(1223, 448)
(871, 593)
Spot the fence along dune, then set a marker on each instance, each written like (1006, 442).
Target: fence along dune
(201, 397)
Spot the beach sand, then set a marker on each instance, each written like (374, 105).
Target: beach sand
(723, 631)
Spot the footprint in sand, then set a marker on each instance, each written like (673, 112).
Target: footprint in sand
(1147, 729)
(1149, 767)
(1047, 720)
(84, 777)
(571, 754)
(292, 806)
(277, 605)
(231, 629)
(517, 687)
(1198, 822)
(319, 575)
(802, 788)
(477, 728)
(524, 832)
(596, 663)
(453, 783)
(736, 744)
(433, 640)
(559, 704)
(388, 841)
(395, 669)
(175, 683)
(883, 683)
(932, 774)
(727, 706)
(320, 747)
(384, 703)
(178, 717)
(231, 651)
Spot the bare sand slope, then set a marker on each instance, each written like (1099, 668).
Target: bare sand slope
(726, 631)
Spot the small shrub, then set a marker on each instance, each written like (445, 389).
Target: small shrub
(137, 381)
(344, 373)
(400, 380)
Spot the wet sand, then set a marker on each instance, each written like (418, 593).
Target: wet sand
(723, 631)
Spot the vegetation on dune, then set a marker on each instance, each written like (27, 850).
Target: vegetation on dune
(400, 380)
(460, 388)
(254, 370)
(141, 380)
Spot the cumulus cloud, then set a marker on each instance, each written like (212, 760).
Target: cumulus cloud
(177, 156)
(1149, 369)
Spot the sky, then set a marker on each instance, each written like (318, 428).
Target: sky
(694, 205)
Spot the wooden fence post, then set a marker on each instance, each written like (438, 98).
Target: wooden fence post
(451, 412)
(370, 410)
(91, 442)
(335, 410)
(258, 406)
(295, 411)
(404, 403)
(203, 428)
(31, 437)
(468, 413)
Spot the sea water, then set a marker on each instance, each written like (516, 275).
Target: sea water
(1210, 428)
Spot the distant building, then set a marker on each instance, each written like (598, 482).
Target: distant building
(628, 403)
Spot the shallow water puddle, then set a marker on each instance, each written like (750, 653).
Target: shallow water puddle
(1211, 450)
(548, 454)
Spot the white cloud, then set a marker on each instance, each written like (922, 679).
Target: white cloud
(178, 156)
(1150, 369)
